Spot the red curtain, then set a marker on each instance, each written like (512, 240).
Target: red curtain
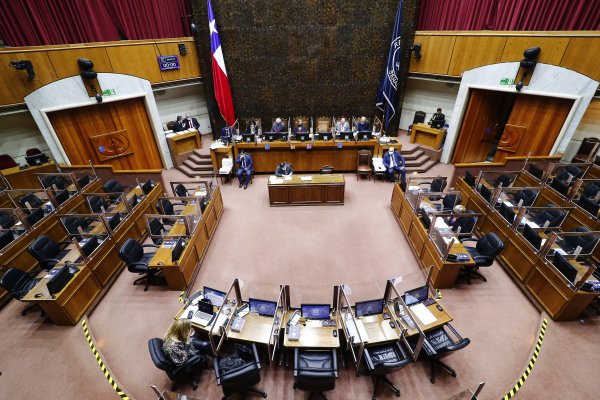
(509, 15)
(47, 22)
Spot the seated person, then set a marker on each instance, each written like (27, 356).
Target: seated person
(180, 344)
(393, 161)
(179, 124)
(299, 128)
(342, 126)
(283, 169)
(244, 171)
(278, 126)
(227, 135)
(251, 129)
(438, 120)
(459, 209)
(363, 125)
(190, 123)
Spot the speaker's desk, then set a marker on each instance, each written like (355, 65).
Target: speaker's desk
(298, 190)
(25, 178)
(444, 272)
(427, 136)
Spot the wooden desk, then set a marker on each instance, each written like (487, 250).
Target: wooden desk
(313, 335)
(257, 329)
(444, 272)
(184, 142)
(321, 190)
(304, 159)
(378, 329)
(427, 136)
(25, 178)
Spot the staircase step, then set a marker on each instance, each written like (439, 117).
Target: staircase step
(197, 167)
(202, 153)
(420, 161)
(421, 168)
(198, 160)
(412, 154)
(194, 174)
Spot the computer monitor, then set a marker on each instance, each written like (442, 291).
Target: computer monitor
(147, 186)
(247, 137)
(90, 245)
(348, 135)
(364, 135)
(588, 205)
(315, 311)
(303, 136)
(60, 279)
(424, 218)
(325, 136)
(486, 193)
(177, 249)
(416, 296)
(438, 124)
(369, 307)
(216, 296)
(263, 307)
(532, 237)
(206, 307)
(283, 136)
(271, 136)
(37, 159)
(564, 267)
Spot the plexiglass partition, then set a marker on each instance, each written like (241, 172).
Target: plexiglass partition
(80, 226)
(99, 203)
(166, 229)
(494, 179)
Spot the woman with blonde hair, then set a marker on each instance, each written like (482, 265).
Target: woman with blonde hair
(180, 344)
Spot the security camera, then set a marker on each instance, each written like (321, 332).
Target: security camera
(23, 65)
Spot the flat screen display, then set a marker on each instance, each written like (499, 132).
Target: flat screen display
(416, 296)
(370, 307)
(263, 307)
(315, 311)
(216, 296)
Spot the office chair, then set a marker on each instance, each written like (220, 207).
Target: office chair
(47, 251)
(439, 344)
(6, 238)
(419, 118)
(588, 205)
(591, 189)
(181, 191)
(469, 178)
(385, 359)
(57, 180)
(503, 180)
(83, 181)
(527, 195)
(508, 213)
(449, 202)
(186, 372)
(97, 203)
(362, 164)
(61, 196)
(156, 228)
(73, 223)
(7, 161)
(18, 283)
(587, 243)
(560, 186)
(536, 171)
(240, 380)
(166, 207)
(34, 151)
(569, 171)
(35, 216)
(315, 371)
(466, 224)
(487, 248)
(137, 261)
(585, 149)
(437, 185)
(32, 199)
(486, 193)
(7, 220)
(47, 181)
(112, 186)
(554, 217)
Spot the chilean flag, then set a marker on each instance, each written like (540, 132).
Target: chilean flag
(222, 90)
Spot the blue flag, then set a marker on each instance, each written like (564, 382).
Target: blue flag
(387, 95)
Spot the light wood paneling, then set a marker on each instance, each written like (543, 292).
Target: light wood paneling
(65, 61)
(75, 127)
(475, 51)
(552, 48)
(189, 65)
(581, 56)
(138, 60)
(436, 52)
(15, 84)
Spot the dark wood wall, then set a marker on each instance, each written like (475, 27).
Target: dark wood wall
(302, 57)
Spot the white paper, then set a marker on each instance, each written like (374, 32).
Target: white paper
(170, 135)
(198, 194)
(306, 178)
(440, 223)
(423, 314)
(508, 204)
(532, 224)
(352, 329)
(287, 177)
(560, 251)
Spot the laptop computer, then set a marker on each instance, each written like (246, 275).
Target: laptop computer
(205, 314)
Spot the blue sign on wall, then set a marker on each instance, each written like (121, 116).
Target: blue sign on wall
(168, 62)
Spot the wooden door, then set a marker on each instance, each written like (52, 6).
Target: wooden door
(117, 133)
(533, 125)
(479, 127)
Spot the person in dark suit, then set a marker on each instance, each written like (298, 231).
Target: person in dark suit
(393, 161)
(363, 125)
(252, 128)
(278, 126)
(191, 123)
(438, 120)
(245, 170)
(179, 126)
(283, 169)
(227, 135)
(299, 128)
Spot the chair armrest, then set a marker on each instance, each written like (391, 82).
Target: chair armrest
(484, 260)
(138, 263)
(335, 366)
(150, 245)
(469, 239)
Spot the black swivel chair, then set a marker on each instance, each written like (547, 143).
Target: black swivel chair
(137, 261)
(18, 283)
(591, 189)
(241, 379)
(178, 374)
(569, 171)
(554, 217)
(72, 224)
(112, 186)
(32, 199)
(450, 201)
(469, 179)
(508, 213)
(385, 359)
(61, 196)
(527, 195)
(47, 251)
(587, 243)
(156, 228)
(35, 216)
(466, 224)
(181, 191)
(439, 344)
(48, 181)
(97, 203)
(536, 171)
(315, 370)
(7, 220)
(167, 207)
(487, 248)
(560, 186)
(438, 185)
(83, 181)
(503, 180)
(6, 238)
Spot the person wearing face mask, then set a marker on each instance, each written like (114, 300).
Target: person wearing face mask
(393, 161)
(190, 123)
(245, 169)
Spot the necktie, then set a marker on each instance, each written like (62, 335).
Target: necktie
(392, 158)
(244, 162)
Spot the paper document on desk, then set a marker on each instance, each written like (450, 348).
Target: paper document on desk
(170, 135)
(200, 194)
(306, 178)
(440, 223)
(531, 223)
(352, 331)
(287, 177)
(560, 251)
(508, 204)
(423, 314)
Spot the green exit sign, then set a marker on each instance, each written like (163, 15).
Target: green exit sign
(109, 92)
(507, 81)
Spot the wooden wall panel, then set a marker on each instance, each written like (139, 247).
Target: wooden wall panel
(436, 52)
(581, 55)
(137, 60)
(15, 84)
(552, 48)
(475, 51)
(189, 65)
(75, 127)
(65, 64)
